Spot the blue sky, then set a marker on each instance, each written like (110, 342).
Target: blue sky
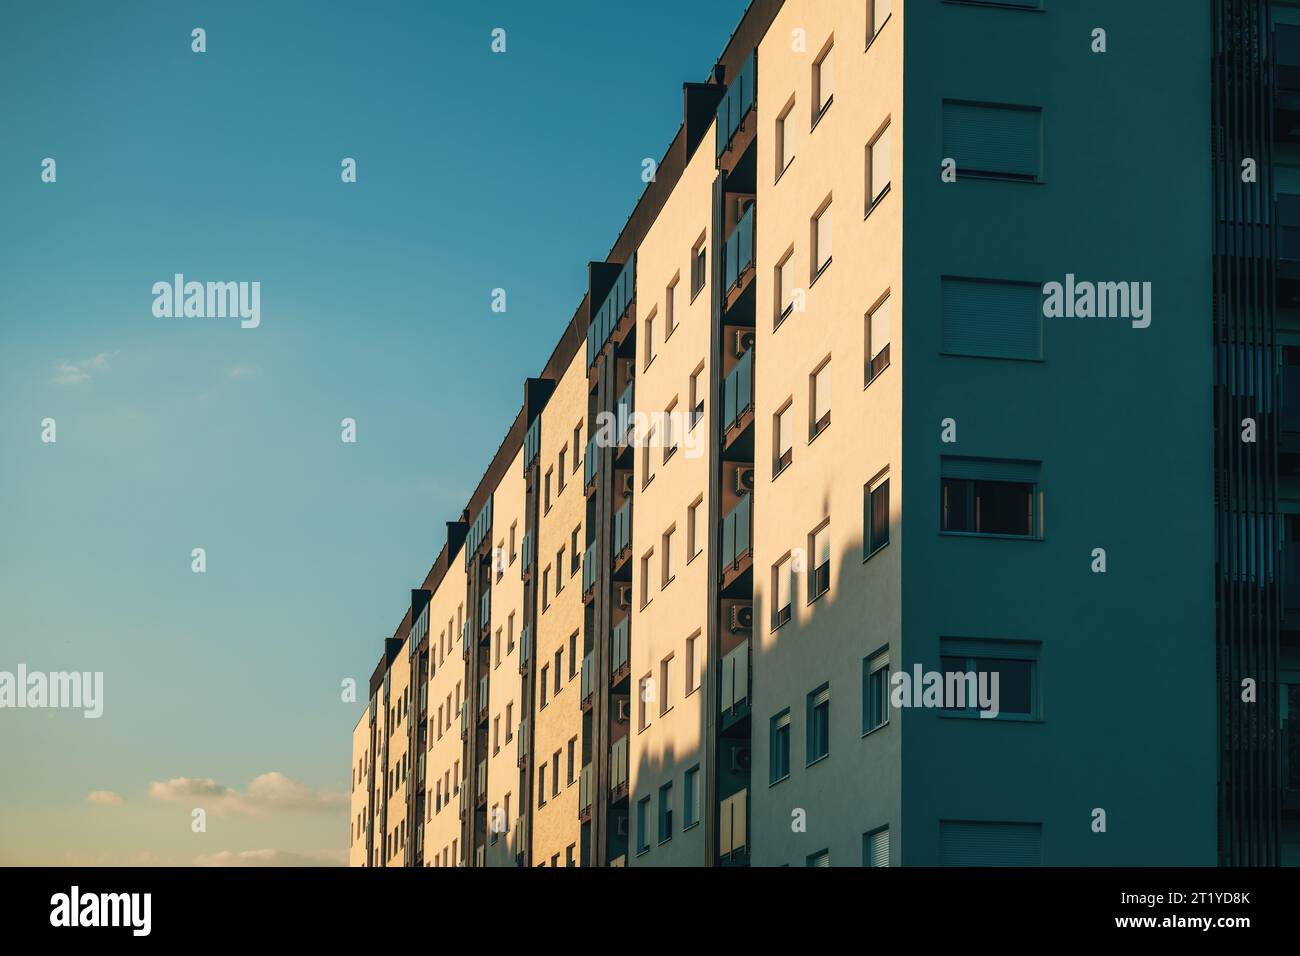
(475, 171)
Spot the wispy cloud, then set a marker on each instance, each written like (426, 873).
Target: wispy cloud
(271, 858)
(266, 794)
(105, 798)
(243, 371)
(75, 373)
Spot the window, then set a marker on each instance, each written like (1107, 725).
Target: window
(569, 858)
(644, 695)
(647, 459)
(573, 655)
(782, 586)
(665, 813)
(779, 747)
(879, 14)
(555, 774)
(669, 543)
(545, 671)
(498, 648)
(971, 843)
(559, 571)
(575, 559)
(496, 735)
(577, 445)
(571, 764)
(819, 723)
(510, 723)
(643, 825)
(498, 559)
(650, 337)
(697, 396)
(819, 556)
(819, 400)
(549, 473)
(783, 438)
(875, 691)
(785, 286)
(989, 679)
(691, 797)
(514, 553)
(646, 561)
(541, 785)
(693, 650)
(784, 138)
(665, 685)
(823, 80)
(670, 303)
(877, 350)
(993, 140)
(822, 858)
(693, 540)
(821, 240)
(510, 633)
(992, 319)
(698, 267)
(559, 468)
(875, 534)
(546, 587)
(670, 430)
(986, 496)
(559, 670)
(879, 166)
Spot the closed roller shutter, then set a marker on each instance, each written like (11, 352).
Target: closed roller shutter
(992, 319)
(877, 849)
(964, 843)
(993, 140)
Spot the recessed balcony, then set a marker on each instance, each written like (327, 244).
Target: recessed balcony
(735, 126)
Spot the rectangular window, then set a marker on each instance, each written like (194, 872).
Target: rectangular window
(779, 747)
(821, 239)
(819, 400)
(665, 813)
(577, 446)
(823, 80)
(670, 304)
(555, 774)
(694, 541)
(879, 166)
(647, 561)
(544, 685)
(513, 551)
(665, 685)
(785, 286)
(643, 825)
(822, 858)
(699, 263)
(572, 761)
(875, 691)
(783, 438)
(510, 633)
(991, 679)
(693, 649)
(496, 735)
(697, 396)
(647, 459)
(546, 588)
(670, 430)
(993, 140)
(559, 669)
(989, 496)
(575, 553)
(877, 350)
(559, 571)
(510, 723)
(570, 859)
(879, 14)
(645, 693)
(819, 723)
(541, 785)
(819, 562)
(992, 319)
(785, 138)
(669, 542)
(691, 797)
(782, 586)
(649, 338)
(559, 468)
(573, 655)
(875, 533)
(549, 473)
(976, 843)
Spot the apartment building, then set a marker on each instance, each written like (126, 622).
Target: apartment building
(816, 431)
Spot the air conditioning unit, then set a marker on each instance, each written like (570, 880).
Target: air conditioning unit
(622, 710)
(629, 370)
(744, 479)
(741, 758)
(744, 341)
(623, 595)
(625, 482)
(742, 618)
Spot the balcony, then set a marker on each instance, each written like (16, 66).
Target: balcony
(479, 531)
(532, 443)
(624, 410)
(734, 701)
(737, 549)
(590, 461)
(1287, 218)
(463, 800)
(607, 319)
(482, 698)
(584, 794)
(736, 105)
(622, 533)
(464, 719)
(521, 840)
(618, 770)
(738, 396)
(521, 743)
(589, 573)
(525, 652)
(526, 556)
(1286, 58)
(733, 829)
(588, 687)
(485, 613)
(480, 783)
(739, 256)
(464, 640)
(621, 640)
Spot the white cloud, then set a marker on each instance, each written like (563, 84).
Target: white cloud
(243, 371)
(271, 858)
(74, 373)
(266, 794)
(105, 798)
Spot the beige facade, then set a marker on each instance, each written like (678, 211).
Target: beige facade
(359, 803)
(445, 753)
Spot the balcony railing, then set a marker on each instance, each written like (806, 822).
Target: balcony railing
(526, 553)
(479, 530)
(611, 310)
(739, 250)
(532, 443)
(735, 678)
(588, 670)
(589, 568)
(480, 781)
(464, 718)
(485, 611)
(738, 391)
(482, 696)
(736, 533)
(624, 413)
(618, 767)
(465, 631)
(521, 742)
(584, 789)
(736, 103)
(733, 826)
(525, 651)
(623, 528)
(621, 640)
(590, 459)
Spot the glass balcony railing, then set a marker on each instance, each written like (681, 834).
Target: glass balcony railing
(623, 527)
(464, 717)
(735, 678)
(590, 460)
(736, 533)
(483, 694)
(736, 103)
(485, 611)
(521, 738)
(526, 553)
(616, 303)
(524, 650)
(584, 789)
(532, 442)
(479, 530)
(624, 412)
(739, 250)
(464, 640)
(480, 781)
(618, 764)
(589, 568)
(738, 391)
(620, 640)
(588, 670)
